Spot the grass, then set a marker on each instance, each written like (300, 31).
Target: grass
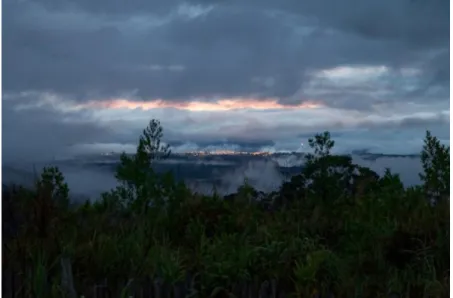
(379, 240)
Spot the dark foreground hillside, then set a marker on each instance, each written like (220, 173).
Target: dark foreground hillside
(335, 230)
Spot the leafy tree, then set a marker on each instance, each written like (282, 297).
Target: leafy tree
(435, 158)
(139, 184)
(246, 193)
(391, 183)
(290, 191)
(321, 144)
(328, 175)
(365, 181)
(390, 241)
(134, 169)
(315, 170)
(52, 183)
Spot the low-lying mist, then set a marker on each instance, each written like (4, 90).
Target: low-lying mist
(265, 175)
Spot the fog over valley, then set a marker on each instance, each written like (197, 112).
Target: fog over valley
(90, 175)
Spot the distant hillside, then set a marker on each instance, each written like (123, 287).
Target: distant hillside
(365, 154)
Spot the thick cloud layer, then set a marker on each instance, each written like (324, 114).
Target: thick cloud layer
(251, 74)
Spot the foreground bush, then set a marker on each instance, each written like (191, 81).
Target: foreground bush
(335, 230)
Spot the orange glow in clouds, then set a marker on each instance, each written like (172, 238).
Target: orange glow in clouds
(198, 106)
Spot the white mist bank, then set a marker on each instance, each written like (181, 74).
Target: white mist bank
(263, 175)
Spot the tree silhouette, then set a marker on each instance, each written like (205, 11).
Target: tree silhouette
(435, 158)
(336, 229)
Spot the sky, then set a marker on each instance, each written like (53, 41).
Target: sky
(87, 76)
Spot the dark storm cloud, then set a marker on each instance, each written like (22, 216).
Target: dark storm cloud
(114, 7)
(106, 61)
(43, 133)
(412, 122)
(227, 49)
(160, 49)
(436, 81)
(204, 50)
(339, 129)
(418, 23)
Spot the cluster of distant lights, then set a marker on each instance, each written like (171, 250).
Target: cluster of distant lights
(226, 152)
(232, 152)
(213, 152)
(220, 152)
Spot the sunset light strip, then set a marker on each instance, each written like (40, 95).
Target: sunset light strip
(200, 106)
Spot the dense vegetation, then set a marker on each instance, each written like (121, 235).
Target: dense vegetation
(335, 230)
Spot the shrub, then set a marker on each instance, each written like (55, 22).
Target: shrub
(334, 229)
